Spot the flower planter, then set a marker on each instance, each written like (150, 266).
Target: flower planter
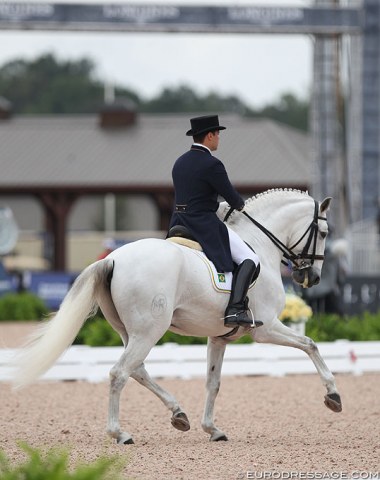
(298, 327)
(296, 313)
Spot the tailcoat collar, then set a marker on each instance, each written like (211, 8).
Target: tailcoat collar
(202, 148)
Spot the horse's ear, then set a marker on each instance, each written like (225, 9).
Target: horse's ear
(325, 205)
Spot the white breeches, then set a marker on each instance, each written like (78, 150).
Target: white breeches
(240, 250)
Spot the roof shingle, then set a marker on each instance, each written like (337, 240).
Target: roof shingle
(74, 150)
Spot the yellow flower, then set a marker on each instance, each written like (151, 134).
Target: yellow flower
(296, 310)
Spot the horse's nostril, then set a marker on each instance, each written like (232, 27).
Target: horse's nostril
(317, 280)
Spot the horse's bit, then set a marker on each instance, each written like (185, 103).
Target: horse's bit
(298, 260)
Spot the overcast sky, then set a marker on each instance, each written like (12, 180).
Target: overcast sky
(256, 68)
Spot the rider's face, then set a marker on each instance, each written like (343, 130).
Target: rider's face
(214, 140)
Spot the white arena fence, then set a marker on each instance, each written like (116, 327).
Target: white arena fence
(170, 360)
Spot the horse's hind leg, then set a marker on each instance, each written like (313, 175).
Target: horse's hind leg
(279, 334)
(133, 356)
(179, 418)
(215, 353)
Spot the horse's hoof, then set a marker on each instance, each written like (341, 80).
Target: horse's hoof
(129, 442)
(125, 440)
(180, 421)
(219, 438)
(333, 402)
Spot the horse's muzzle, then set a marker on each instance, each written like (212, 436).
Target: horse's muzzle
(307, 277)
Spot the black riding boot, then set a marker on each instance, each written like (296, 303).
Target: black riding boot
(236, 311)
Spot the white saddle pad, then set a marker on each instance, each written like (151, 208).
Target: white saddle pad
(220, 281)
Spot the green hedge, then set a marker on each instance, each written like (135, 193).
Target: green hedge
(54, 465)
(22, 306)
(97, 332)
(322, 328)
(326, 328)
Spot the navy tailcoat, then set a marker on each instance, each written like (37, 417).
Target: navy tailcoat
(198, 179)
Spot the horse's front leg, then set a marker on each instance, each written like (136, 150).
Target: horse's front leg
(179, 418)
(215, 353)
(280, 334)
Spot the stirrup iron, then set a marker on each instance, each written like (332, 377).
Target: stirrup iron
(236, 323)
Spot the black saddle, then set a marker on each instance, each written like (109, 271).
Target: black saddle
(180, 231)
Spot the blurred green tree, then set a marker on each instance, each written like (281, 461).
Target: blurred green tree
(46, 85)
(287, 109)
(184, 99)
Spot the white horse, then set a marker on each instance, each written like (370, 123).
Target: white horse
(149, 286)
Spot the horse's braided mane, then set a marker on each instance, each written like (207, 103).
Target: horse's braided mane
(267, 195)
(275, 191)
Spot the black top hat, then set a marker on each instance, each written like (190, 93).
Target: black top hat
(207, 123)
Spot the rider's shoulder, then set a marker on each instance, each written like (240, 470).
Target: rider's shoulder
(215, 162)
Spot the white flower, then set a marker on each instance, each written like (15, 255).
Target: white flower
(296, 310)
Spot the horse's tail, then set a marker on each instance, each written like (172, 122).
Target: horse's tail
(57, 334)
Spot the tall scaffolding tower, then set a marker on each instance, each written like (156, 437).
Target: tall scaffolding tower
(352, 56)
(346, 147)
(335, 116)
(371, 109)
